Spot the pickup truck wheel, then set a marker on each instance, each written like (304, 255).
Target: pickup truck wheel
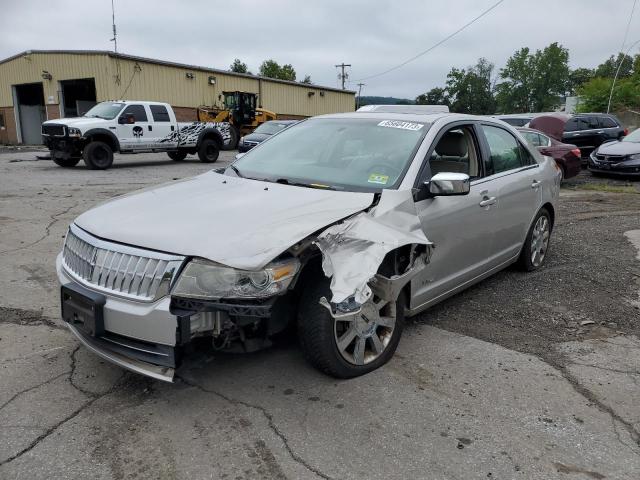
(177, 156)
(66, 162)
(349, 346)
(234, 136)
(208, 151)
(98, 155)
(536, 244)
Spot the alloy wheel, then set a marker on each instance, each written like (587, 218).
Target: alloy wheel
(539, 240)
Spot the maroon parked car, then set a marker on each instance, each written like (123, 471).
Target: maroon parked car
(567, 156)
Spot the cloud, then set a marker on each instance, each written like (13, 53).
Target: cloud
(314, 36)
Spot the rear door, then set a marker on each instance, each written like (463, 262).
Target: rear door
(579, 132)
(162, 127)
(515, 174)
(135, 136)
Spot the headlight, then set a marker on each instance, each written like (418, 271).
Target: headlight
(635, 156)
(75, 132)
(207, 280)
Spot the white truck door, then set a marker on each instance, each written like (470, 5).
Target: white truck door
(135, 136)
(163, 127)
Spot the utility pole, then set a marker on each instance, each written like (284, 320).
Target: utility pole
(343, 76)
(113, 24)
(360, 85)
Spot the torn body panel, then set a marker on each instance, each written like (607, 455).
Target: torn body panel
(353, 250)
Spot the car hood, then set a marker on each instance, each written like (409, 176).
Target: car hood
(234, 221)
(257, 137)
(85, 122)
(619, 148)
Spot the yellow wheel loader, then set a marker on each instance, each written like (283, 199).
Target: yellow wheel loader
(240, 111)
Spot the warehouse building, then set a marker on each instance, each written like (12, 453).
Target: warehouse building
(39, 85)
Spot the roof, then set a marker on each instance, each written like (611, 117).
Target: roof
(136, 58)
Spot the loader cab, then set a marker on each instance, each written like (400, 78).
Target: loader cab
(242, 106)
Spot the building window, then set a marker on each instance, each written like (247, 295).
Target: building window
(2, 125)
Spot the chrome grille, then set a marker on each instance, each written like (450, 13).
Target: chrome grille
(118, 269)
(610, 158)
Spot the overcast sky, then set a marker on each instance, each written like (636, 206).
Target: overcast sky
(313, 36)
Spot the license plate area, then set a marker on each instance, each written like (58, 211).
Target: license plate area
(83, 309)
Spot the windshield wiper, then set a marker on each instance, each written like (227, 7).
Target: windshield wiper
(235, 169)
(321, 186)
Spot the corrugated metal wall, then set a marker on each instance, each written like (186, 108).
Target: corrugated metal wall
(165, 83)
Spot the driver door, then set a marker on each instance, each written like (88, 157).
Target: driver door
(132, 135)
(461, 227)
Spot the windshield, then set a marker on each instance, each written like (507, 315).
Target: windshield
(343, 153)
(106, 110)
(633, 136)
(269, 128)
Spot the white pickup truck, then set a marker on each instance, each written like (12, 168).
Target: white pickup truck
(131, 127)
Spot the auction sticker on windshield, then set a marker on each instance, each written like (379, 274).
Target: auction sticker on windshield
(377, 178)
(402, 125)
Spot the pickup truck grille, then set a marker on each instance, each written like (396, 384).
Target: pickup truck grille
(116, 269)
(53, 130)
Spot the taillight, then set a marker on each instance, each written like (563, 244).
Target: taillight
(626, 132)
(576, 152)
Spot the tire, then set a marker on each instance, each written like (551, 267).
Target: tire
(562, 174)
(535, 244)
(208, 151)
(233, 140)
(177, 156)
(66, 162)
(98, 155)
(318, 334)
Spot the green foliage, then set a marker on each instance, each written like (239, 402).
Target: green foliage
(534, 82)
(470, 90)
(270, 68)
(579, 77)
(594, 95)
(238, 66)
(435, 96)
(307, 79)
(609, 67)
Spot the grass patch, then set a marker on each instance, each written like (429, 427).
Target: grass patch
(605, 187)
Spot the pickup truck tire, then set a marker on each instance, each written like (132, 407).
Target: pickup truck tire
(98, 155)
(319, 333)
(177, 156)
(208, 151)
(66, 162)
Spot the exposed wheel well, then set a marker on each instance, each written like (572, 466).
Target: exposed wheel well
(212, 136)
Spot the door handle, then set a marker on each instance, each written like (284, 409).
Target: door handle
(486, 201)
(535, 184)
(150, 128)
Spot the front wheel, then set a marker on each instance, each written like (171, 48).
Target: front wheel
(208, 151)
(98, 155)
(66, 162)
(350, 346)
(536, 244)
(177, 156)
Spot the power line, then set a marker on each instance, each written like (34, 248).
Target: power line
(434, 46)
(624, 55)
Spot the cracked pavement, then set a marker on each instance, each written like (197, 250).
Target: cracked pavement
(522, 376)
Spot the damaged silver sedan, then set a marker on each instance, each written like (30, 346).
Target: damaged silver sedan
(342, 226)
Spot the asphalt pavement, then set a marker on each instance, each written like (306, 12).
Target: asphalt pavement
(532, 376)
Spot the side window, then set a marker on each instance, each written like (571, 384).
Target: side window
(532, 137)
(456, 152)
(138, 111)
(159, 113)
(606, 122)
(505, 151)
(592, 123)
(544, 141)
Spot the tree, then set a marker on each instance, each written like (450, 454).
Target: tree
(594, 95)
(608, 68)
(238, 66)
(307, 79)
(577, 78)
(534, 82)
(270, 68)
(435, 96)
(470, 90)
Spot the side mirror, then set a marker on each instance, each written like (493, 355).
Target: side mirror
(127, 119)
(449, 183)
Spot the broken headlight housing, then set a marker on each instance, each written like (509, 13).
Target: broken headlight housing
(203, 279)
(74, 132)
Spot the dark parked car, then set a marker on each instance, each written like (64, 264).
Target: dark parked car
(263, 132)
(567, 156)
(590, 130)
(619, 157)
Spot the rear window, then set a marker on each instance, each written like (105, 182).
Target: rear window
(159, 113)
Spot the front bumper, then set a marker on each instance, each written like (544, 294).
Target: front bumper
(628, 168)
(245, 147)
(63, 147)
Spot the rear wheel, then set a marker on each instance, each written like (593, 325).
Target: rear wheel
(208, 151)
(98, 155)
(536, 244)
(177, 156)
(66, 162)
(349, 346)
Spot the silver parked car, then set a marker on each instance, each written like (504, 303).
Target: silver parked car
(342, 225)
